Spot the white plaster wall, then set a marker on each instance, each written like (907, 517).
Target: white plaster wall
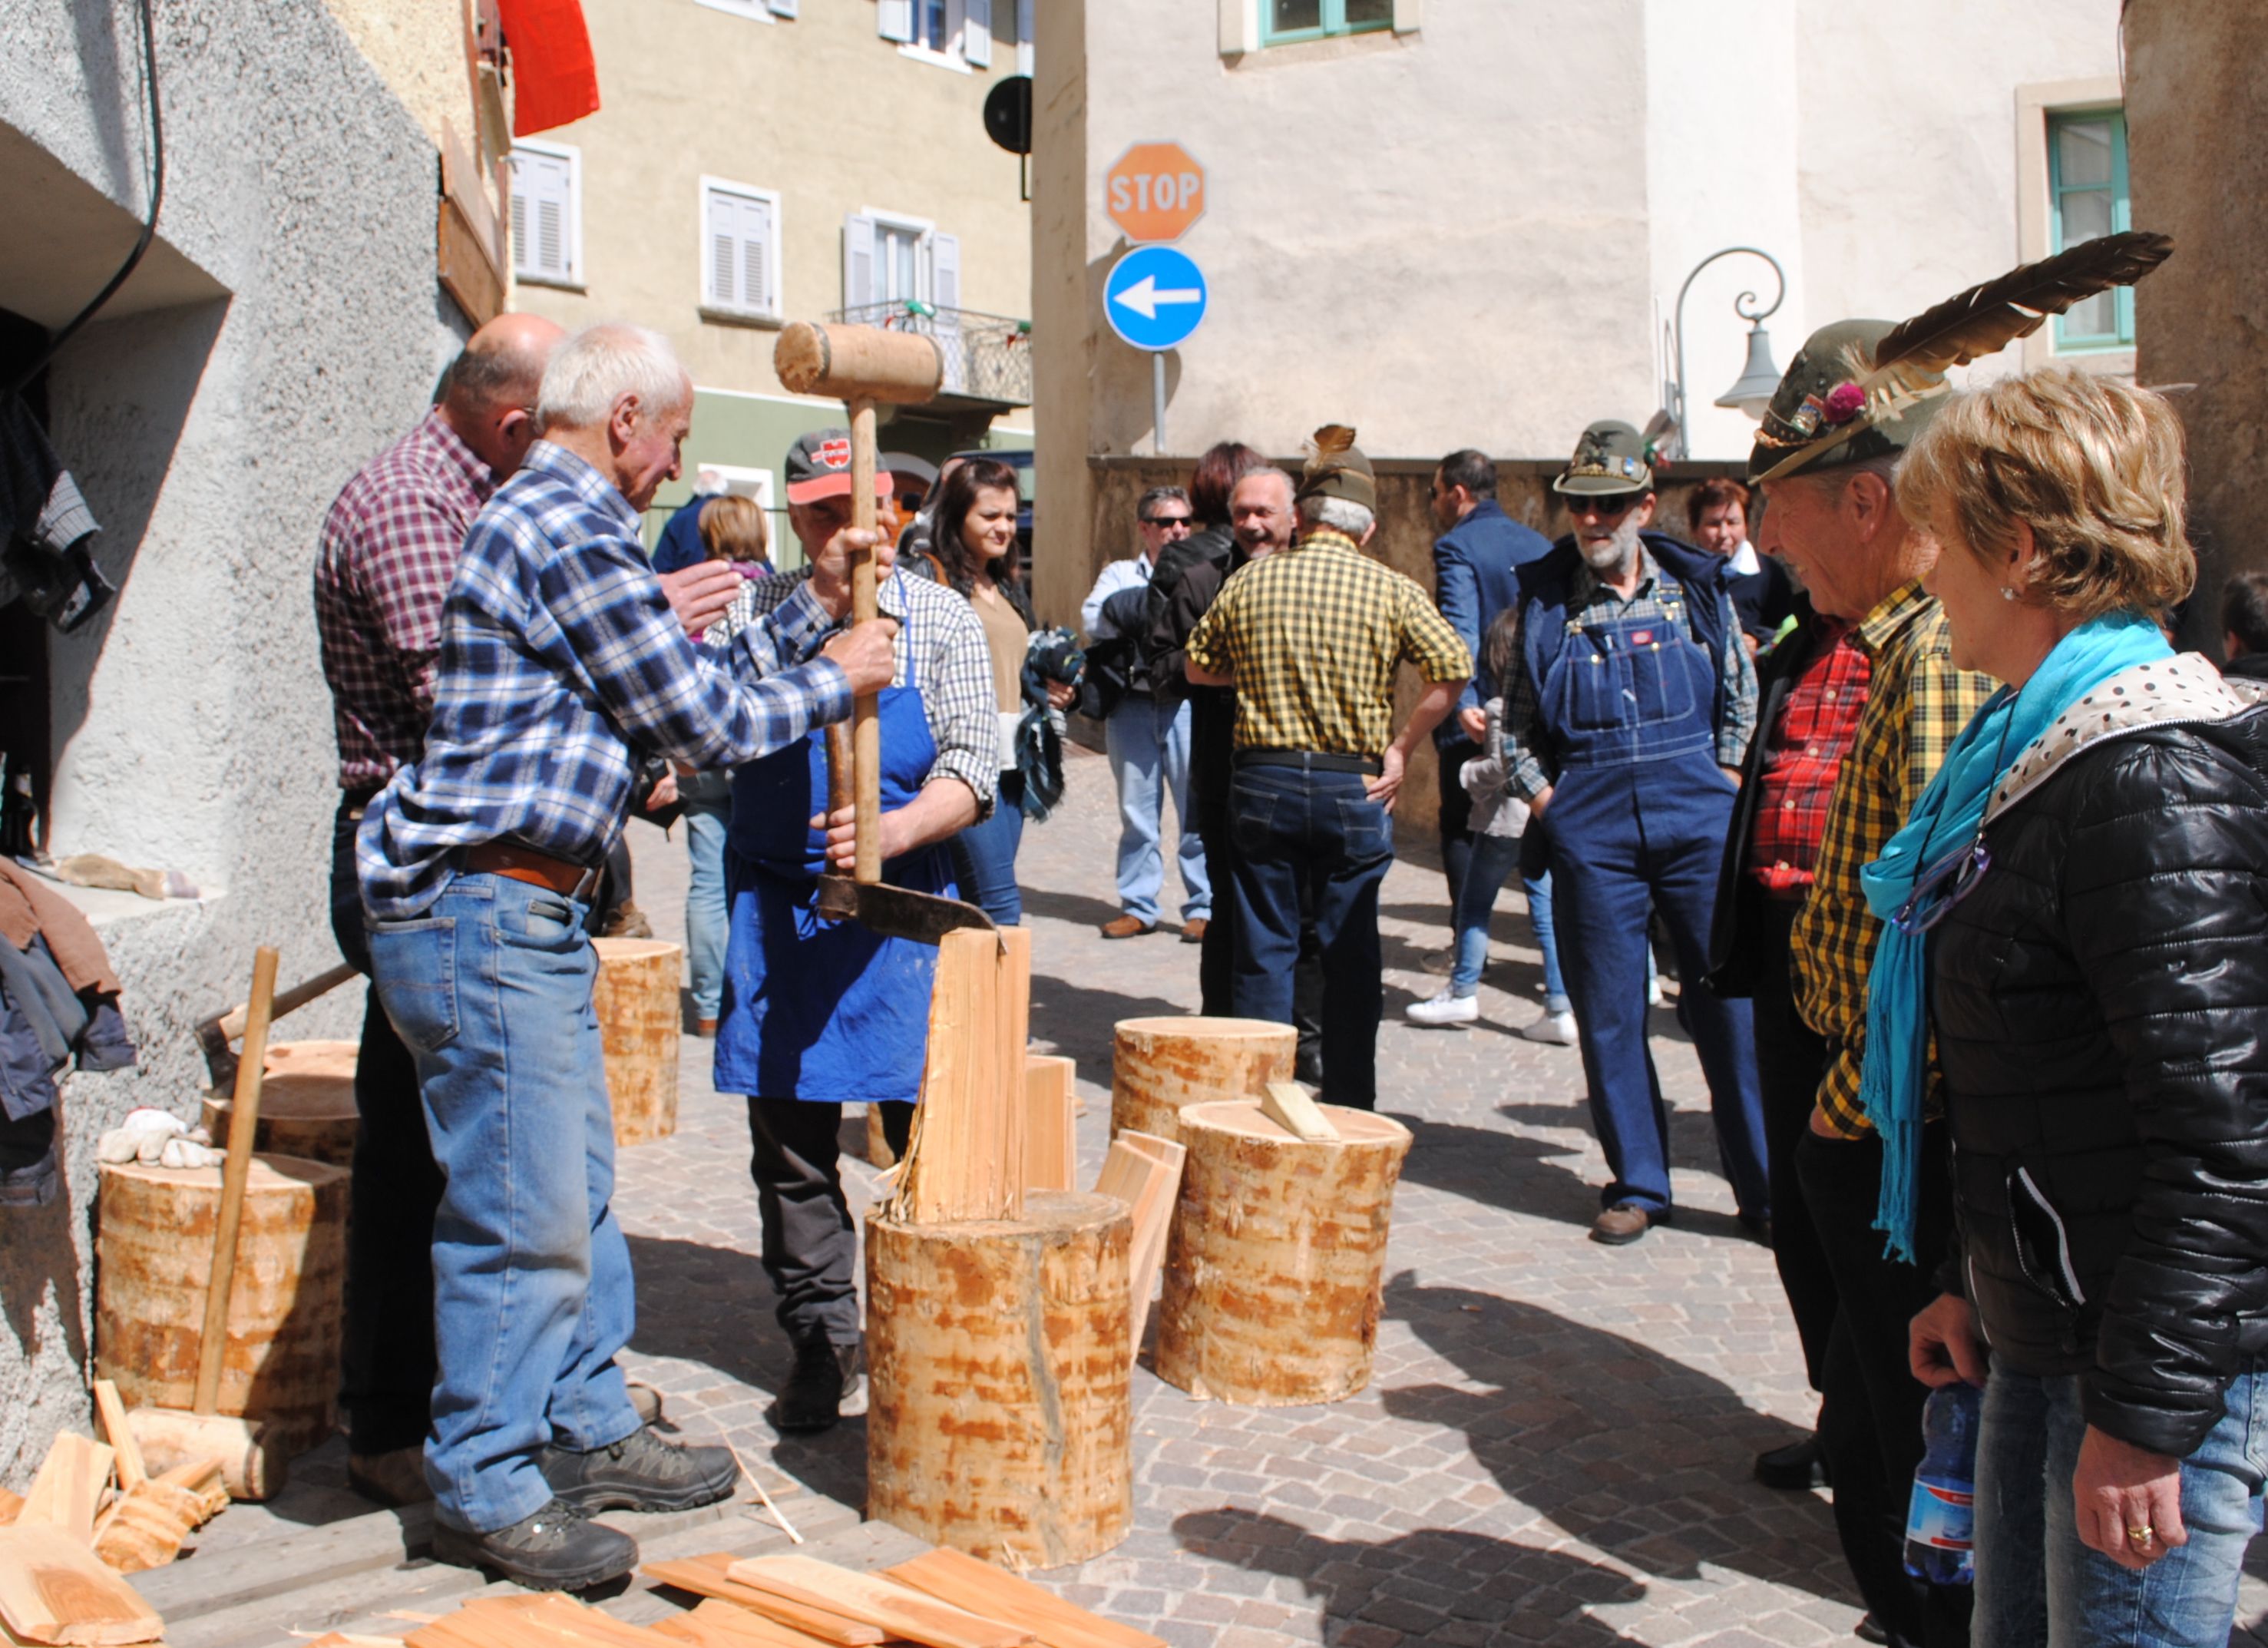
(193, 723)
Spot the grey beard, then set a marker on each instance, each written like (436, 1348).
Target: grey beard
(1616, 554)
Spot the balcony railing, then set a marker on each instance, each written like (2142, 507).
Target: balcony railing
(987, 357)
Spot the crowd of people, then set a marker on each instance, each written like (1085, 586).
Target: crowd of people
(1955, 857)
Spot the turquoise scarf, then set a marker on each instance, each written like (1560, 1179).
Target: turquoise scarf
(1941, 836)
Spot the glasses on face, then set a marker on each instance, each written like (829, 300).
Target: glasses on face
(1169, 522)
(1941, 886)
(1606, 506)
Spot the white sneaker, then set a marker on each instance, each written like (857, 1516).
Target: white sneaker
(1445, 1009)
(1557, 1029)
(1653, 992)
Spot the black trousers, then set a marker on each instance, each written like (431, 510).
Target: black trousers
(1457, 813)
(1216, 961)
(1791, 1059)
(1870, 1408)
(810, 1243)
(387, 1360)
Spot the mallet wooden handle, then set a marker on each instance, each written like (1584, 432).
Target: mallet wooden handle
(244, 1122)
(865, 718)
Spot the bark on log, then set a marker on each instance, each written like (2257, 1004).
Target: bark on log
(636, 1000)
(1161, 1065)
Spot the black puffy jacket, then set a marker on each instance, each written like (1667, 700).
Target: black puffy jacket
(2101, 1003)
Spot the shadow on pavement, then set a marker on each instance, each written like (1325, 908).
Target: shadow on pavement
(1434, 1585)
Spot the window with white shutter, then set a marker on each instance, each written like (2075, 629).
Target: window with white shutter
(976, 33)
(945, 33)
(740, 247)
(547, 210)
(945, 269)
(1024, 58)
(858, 261)
(895, 19)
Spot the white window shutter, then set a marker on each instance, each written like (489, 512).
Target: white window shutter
(756, 237)
(858, 262)
(543, 225)
(723, 265)
(895, 20)
(945, 270)
(1408, 16)
(783, 8)
(1024, 58)
(976, 33)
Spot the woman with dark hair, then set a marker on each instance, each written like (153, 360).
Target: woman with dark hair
(975, 543)
(1763, 595)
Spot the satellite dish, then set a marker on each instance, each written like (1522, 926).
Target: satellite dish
(1008, 114)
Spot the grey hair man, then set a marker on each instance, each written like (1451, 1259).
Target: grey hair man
(560, 664)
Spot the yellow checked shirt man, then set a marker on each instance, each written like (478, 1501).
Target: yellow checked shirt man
(1311, 638)
(1830, 513)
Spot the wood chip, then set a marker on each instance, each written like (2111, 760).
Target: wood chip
(711, 1576)
(956, 1578)
(131, 1472)
(1286, 1103)
(53, 1589)
(68, 1490)
(897, 1609)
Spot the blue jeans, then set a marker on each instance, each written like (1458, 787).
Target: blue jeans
(1149, 751)
(1319, 835)
(984, 856)
(2038, 1587)
(1493, 859)
(490, 991)
(708, 821)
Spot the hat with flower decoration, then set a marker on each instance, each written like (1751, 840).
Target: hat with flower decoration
(1858, 389)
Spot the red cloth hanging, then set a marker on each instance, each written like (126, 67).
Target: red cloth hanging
(554, 77)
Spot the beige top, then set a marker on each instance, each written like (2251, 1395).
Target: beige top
(1006, 634)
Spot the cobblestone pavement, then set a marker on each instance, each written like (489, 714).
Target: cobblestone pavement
(1555, 1445)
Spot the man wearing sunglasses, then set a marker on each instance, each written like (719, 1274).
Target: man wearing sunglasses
(1145, 733)
(1626, 719)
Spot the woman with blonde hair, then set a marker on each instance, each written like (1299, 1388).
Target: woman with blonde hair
(2077, 910)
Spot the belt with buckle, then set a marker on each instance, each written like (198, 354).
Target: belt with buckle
(537, 869)
(1311, 761)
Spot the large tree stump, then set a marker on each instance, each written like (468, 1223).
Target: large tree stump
(154, 1251)
(1161, 1065)
(305, 1112)
(1273, 1264)
(639, 1020)
(998, 1421)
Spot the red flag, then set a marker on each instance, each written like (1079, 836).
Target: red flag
(555, 78)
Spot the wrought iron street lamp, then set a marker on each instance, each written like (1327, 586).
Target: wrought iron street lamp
(1754, 391)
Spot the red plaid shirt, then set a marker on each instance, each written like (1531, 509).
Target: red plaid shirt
(1803, 755)
(388, 551)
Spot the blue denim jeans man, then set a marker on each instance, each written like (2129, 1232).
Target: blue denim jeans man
(490, 990)
(1149, 748)
(708, 798)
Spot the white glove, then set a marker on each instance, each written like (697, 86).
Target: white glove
(187, 1153)
(142, 1137)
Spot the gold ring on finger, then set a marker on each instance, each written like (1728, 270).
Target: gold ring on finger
(2142, 1534)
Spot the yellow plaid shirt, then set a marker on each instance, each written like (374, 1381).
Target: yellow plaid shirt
(1917, 703)
(1312, 635)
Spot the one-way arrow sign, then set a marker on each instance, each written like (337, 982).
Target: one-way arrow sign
(1154, 298)
(1146, 295)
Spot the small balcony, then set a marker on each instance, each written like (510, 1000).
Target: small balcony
(988, 358)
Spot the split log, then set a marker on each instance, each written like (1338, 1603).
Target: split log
(966, 1157)
(1050, 1136)
(1146, 1174)
(999, 1419)
(639, 1023)
(1161, 1065)
(53, 1590)
(905, 1614)
(711, 1576)
(132, 1472)
(1273, 1267)
(307, 1113)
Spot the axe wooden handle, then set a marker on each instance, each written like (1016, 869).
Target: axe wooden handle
(243, 1124)
(865, 719)
(232, 1022)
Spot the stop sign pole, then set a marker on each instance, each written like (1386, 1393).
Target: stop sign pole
(1154, 192)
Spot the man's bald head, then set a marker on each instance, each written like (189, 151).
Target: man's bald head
(490, 397)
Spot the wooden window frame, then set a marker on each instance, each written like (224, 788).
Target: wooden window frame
(1334, 26)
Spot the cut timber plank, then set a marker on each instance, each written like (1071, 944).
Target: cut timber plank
(68, 1490)
(954, 1577)
(715, 1624)
(711, 1576)
(965, 1160)
(1286, 1103)
(1050, 1142)
(53, 1590)
(897, 1609)
(1145, 1172)
(131, 1472)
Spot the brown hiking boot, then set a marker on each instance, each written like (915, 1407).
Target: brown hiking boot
(1128, 927)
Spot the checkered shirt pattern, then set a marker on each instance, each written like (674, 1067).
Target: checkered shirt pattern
(940, 650)
(1589, 600)
(1312, 635)
(387, 551)
(1802, 758)
(560, 664)
(1916, 705)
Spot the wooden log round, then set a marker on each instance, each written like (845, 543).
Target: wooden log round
(313, 1058)
(153, 1262)
(1159, 1065)
(637, 1002)
(999, 1420)
(304, 1113)
(1273, 1265)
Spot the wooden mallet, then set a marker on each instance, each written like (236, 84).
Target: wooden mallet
(251, 1465)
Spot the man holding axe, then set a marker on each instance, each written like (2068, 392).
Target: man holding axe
(560, 662)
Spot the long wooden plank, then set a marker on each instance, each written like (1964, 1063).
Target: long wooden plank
(711, 1576)
(897, 1610)
(131, 1472)
(954, 1577)
(716, 1624)
(1050, 1139)
(68, 1489)
(53, 1590)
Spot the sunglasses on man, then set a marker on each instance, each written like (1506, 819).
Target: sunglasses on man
(1166, 521)
(1606, 506)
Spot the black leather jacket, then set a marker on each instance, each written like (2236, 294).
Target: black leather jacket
(2101, 1003)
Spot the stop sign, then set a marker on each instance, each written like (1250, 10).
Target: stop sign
(1154, 192)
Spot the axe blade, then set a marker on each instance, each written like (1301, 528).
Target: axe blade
(896, 912)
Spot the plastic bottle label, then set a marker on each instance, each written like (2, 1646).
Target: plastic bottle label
(1941, 1516)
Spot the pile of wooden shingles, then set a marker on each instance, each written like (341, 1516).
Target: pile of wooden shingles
(938, 1600)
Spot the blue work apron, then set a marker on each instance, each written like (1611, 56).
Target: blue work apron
(831, 1013)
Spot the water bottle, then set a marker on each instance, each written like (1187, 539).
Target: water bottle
(1941, 1521)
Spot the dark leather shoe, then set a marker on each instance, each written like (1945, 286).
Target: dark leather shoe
(640, 1473)
(1624, 1223)
(555, 1549)
(1193, 930)
(1870, 1629)
(1794, 1469)
(826, 1375)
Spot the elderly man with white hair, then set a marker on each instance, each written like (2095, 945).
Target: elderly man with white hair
(1310, 637)
(560, 664)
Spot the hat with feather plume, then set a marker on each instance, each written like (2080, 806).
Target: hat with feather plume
(1860, 389)
(1336, 469)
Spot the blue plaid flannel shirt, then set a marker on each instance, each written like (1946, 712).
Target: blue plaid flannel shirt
(560, 662)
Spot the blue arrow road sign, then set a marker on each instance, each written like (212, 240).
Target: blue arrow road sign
(1154, 298)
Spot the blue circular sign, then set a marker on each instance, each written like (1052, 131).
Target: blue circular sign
(1154, 298)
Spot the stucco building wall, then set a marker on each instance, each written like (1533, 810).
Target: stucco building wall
(191, 721)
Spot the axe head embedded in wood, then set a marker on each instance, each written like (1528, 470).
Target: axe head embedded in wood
(895, 911)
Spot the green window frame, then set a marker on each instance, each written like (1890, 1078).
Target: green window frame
(1282, 22)
(2088, 196)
